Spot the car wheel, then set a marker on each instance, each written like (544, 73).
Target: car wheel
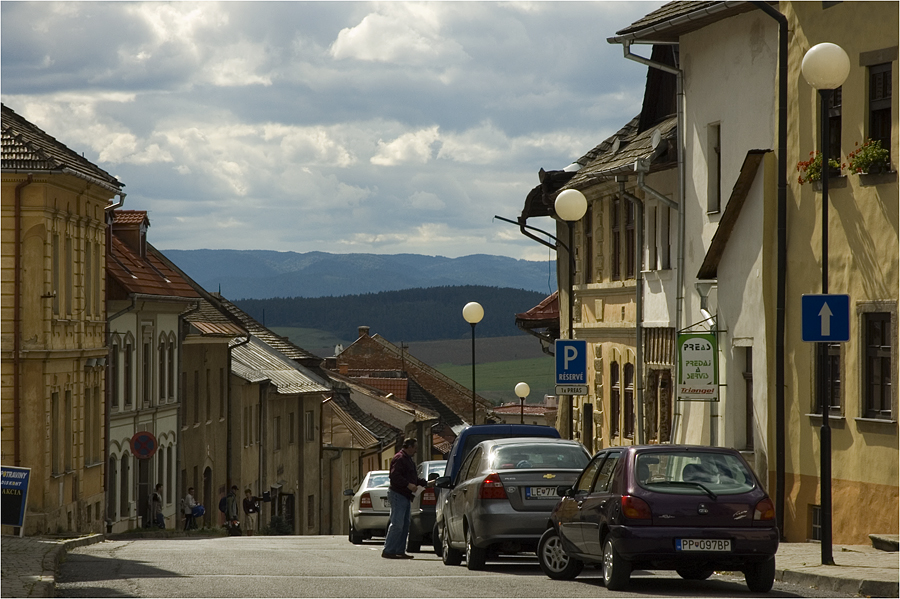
(413, 546)
(616, 570)
(449, 555)
(694, 573)
(436, 540)
(475, 556)
(760, 576)
(355, 536)
(554, 560)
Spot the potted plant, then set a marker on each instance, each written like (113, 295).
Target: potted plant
(869, 158)
(811, 170)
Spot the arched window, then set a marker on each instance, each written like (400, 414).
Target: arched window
(162, 369)
(614, 399)
(128, 370)
(114, 370)
(170, 356)
(628, 408)
(124, 495)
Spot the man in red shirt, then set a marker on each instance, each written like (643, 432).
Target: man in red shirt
(400, 494)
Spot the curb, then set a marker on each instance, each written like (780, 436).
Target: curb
(46, 586)
(847, 586)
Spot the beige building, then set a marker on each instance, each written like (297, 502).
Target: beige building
(53, 326)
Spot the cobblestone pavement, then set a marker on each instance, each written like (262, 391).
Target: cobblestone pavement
(29, 566)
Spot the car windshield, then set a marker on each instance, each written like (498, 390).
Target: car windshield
(692, 472)
(539, 456)
(436, 468)
(378, 480)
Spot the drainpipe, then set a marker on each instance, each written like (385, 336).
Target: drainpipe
(639, 308)
(17, 320)
(679, 108)
(322, 466)
(179, 452)
(781, 268)
(228, 425)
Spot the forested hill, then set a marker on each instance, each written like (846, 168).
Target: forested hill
(407, 315)
(263, 274)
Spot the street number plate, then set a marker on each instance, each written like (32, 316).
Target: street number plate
(539, 492)
(702, 544)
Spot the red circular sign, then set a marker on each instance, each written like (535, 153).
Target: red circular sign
(144, 445)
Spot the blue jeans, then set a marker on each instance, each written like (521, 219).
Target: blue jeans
(398, 530)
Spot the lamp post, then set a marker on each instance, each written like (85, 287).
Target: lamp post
(522, 390)
(825, 67)
(570, 206)
(473, 313)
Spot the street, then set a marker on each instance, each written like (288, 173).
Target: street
(329, 566)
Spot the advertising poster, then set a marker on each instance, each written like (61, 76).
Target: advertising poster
(698, 367)
(15, 494)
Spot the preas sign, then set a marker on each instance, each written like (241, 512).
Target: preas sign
(698, 367)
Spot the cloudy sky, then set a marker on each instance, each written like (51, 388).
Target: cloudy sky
(373, 127)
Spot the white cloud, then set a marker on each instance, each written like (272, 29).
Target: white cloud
(413, 147)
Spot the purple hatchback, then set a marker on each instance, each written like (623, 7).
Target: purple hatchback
(686, 508)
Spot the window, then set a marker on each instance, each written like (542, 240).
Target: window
(93, 425)
(310, 511)
(55, 273)
(196, 396)
(714, 168)
(98, 278)
(615, 267)
(111, 490)
(208, 395)
(246, 426)
(68, 434)
(877, 367)
(614, 399)
(586, 480)
(223, 392)
(665, 248)
(88, 280)
(589, 244)
(124, 475)
(834, 124)
(146, 365)
(606, 471)
(69, 283)
(113, 381)
(170, 484)
(815, 522)
(162, 370)
(310, 421)
(170, 364)
(749, 426)
(55, 449)
(277, 432)
(880, 87)
(129, 372)
(830, 369)
(292, 423)
(629, 400)
(629, 241)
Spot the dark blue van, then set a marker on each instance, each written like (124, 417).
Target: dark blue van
(469, 438)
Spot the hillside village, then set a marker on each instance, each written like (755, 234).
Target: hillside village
(120, 372)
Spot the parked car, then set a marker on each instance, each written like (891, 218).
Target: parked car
(370, 511)
(663, 507)
(467, 439)
(503, 494)
(421, 522)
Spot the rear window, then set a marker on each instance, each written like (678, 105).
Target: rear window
(378, 480)
(436, 469)
(539, 456)
(691, 472)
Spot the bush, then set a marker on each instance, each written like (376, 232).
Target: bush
(811, 170)
(277, 526)
(868, 158)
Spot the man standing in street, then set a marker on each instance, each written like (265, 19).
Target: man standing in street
(156, 507)
(251, 512)
(401, 493)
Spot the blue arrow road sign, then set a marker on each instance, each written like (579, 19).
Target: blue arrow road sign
(826, 318)
(571, 362)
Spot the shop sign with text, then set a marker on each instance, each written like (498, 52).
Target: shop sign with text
(698, 367)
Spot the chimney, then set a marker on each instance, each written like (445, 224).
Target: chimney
(363, 331)
(330, 363)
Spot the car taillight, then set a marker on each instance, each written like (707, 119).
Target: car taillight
(765, 510)
(635, 508)
(428, 497)
(492, 488)
(365, 501)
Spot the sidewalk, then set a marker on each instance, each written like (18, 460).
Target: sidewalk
(29, 566)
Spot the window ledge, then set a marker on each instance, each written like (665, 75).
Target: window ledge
(878, 420)
(867, 180)
(834, 182)
(838, 417)
(92, 465)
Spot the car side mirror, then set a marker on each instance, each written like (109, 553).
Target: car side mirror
(442, 482)
(433, 476)
(348, 492)
(565, 491)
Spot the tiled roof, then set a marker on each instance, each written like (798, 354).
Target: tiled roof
(130, 217)
(275, 341)
(516, 408)
(421, 397)
(147, 275)
(256, 362)
(26, 148)
(360, 434)
(546, 311)
(397, 386)
(382, 430)
(671, 20)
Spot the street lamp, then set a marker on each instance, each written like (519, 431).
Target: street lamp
(522, 390)
(473, 313)
(825, 67)
(570, 206)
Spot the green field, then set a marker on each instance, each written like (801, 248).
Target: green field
(496, 381)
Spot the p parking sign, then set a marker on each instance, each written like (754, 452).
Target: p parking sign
(571, 367)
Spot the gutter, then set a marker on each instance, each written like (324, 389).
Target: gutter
(667, 26)
(17, 319)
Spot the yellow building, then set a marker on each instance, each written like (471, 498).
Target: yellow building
(863, 263)
(53, 325)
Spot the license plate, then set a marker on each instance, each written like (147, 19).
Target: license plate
(386, 501)
(539, 492)
(702, 544)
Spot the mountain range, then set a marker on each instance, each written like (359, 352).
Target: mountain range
(261, 274)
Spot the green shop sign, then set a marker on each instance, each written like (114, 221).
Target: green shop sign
(698, 367)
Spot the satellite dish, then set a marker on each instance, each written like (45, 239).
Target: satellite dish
(655, 138)
(615, 145)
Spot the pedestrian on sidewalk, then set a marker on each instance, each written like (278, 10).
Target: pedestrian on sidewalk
(156, 507)
(251, 512)
(188, 505)
(401, 492)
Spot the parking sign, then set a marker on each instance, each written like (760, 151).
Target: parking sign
(571, 367)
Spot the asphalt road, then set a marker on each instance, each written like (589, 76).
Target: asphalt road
(330, 566)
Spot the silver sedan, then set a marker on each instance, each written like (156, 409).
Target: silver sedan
(503, 495)
(370, 510)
